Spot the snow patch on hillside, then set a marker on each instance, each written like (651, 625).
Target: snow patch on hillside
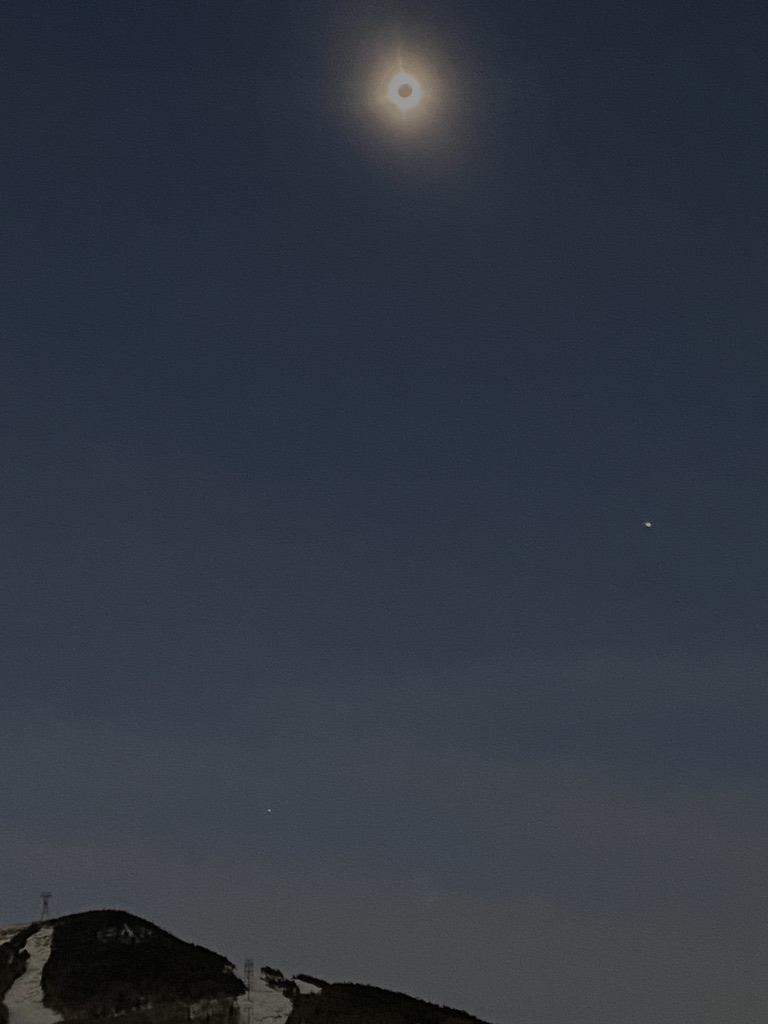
(24, 999)
(9, 930)
(306, 988)
(262, 1005)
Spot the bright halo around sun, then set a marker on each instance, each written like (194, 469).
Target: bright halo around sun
(405, 91)
(409, 108)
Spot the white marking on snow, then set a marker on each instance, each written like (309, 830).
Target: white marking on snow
(266, 1005)
(24, 999)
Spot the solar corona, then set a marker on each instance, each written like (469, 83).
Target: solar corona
(405, 105)
(405, 91)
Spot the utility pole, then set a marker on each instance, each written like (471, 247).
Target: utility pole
(46, 909)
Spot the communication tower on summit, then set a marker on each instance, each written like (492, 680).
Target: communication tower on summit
(45, 909)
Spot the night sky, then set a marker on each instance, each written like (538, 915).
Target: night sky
(332, 633)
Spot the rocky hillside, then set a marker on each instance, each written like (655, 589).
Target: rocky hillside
(93, 967)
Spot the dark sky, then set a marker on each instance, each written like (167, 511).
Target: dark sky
(332, 633)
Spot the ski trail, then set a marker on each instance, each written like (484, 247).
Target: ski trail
(267, 1006)
(24, 999)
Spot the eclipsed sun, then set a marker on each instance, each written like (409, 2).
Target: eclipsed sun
(405, 91)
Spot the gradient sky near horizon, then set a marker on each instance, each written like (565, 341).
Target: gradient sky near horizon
(332, 634)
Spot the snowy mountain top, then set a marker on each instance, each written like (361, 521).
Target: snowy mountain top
(101, 964)
(104, 964)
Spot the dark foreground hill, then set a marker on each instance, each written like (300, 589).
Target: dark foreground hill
(107, 964)
(364, 1004)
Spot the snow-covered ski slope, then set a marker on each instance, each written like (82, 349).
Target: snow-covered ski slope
(24, 999)
(266, 1005)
